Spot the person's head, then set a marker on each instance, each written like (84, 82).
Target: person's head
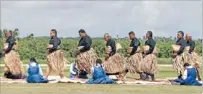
(53, 33)
(180, 34)
(107, 37)
(9, 33)
(82, 33)
(186, 65)
(33, 60)
(188, 37)
(149, 34)
(131, 35)
(98, 61)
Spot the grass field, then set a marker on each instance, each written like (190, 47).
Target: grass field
(164, 72)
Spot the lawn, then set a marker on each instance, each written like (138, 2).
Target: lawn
(65, 88)
(164, 72)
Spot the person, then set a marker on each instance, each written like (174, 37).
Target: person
(13, 65)
(133, 65)
(35, 72)
(189, 77)
(86, 56)
(178, 56)
(55, 57)
(114, 62)
(74, 73)
(149, 61)
(99, 75)
(193, 57)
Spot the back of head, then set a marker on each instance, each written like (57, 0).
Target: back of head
(186, 65)
(33, 60)
(99, 61)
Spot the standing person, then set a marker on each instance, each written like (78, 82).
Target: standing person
(178, 53)
(13, 64)
(193, 57)
(86, 55)
(149, 62)
(55, 57)
(114, 62)
(133, 65)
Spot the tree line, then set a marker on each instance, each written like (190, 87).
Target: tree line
(31, 46)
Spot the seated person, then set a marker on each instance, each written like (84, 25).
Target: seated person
(82, 74)
(98, 75)
(73, 71)
(189, 77)
(35, 73)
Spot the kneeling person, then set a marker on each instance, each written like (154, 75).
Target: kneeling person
(98, 75)
(35, 73)
(189, 77)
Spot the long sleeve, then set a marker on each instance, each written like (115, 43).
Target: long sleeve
(182, 47)
(71, 69)
(11, 42)
(192, 46)
(40, 70)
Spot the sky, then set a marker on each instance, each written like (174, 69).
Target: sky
(163, 18)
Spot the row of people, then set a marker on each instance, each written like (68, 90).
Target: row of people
(141, 62)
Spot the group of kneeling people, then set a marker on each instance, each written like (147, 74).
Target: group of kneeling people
(115, 66)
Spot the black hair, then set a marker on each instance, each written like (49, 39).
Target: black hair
(131, 32)
(33, 60)
(186, 65)
(54, 30)
(150, 33)
(99, 61)
(81, 31)
(181, 32)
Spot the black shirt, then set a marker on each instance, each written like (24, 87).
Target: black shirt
(151, 43)
(112, 44)
(86, 42)
(191, 44)
(134, 43)
(55, 41)
(11, 41)
(182, 44)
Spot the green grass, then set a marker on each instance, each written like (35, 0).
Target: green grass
(108, 89)
(164, 72)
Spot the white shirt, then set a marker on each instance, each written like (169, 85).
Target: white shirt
(185, 72)
(71, 68)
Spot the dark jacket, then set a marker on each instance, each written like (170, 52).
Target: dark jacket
(112, 44)
(192, 45)
(151, 43)
(86, 42)
(55, 41)
(182, 44)
(134, 43)
(11, 41)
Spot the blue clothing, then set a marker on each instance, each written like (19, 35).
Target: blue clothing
(99, 76)
(190, 79)
(34, 75)
(73, 71)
